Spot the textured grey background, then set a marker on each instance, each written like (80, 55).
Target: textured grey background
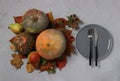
(103, 12)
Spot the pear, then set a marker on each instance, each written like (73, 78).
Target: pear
(16, 28)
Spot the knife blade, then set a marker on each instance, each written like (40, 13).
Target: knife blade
(96, 36)
(96, 46)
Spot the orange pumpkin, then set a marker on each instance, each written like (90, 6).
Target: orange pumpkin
(50, 44)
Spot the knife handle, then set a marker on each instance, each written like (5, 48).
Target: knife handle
(96, 55)
(90, 55)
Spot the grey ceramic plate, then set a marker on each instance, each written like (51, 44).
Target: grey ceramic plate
(105, 41)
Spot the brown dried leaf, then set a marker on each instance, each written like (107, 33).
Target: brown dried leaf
(12, 47)
(12, 39)
(29, 67)
(73, 21)
(16, 61)
(46, 67)
(59, 23)
(50, 16)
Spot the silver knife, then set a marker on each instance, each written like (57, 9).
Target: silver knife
(96, 46)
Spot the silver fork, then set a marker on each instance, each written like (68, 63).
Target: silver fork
(90, 36)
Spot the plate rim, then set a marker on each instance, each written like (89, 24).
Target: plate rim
(111, 41)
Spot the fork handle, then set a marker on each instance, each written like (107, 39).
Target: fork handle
(90, 55)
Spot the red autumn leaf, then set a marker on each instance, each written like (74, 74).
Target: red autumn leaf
(71, 38)
(18, 19)
(61, 63)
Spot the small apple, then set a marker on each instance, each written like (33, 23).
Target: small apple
(34, 58)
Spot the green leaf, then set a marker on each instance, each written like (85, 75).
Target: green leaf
(51, 71)
(43, 61)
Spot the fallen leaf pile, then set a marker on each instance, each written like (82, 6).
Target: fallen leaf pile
(50, 65)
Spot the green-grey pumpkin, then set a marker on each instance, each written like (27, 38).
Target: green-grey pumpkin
(35, 21)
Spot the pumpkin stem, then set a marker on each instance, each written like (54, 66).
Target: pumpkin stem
(48, 44)
(35, 18)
